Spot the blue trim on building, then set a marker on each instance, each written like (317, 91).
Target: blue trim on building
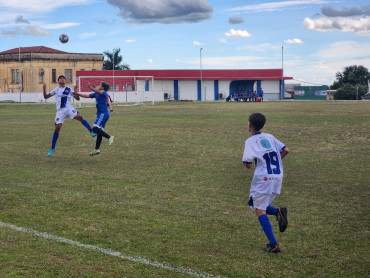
(216, 90)
(176, 89)
(199, 90)
(146, 85)
(258, 85)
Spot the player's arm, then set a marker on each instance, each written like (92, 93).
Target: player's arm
(248, 165)
(284, 152)
(92, 88)
(76, 94)
(46, 96)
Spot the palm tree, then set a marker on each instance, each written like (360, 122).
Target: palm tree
(114, 58)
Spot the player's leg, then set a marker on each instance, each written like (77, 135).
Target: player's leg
(58, 122)
(281, 214)
(77, 116)
(261, 201)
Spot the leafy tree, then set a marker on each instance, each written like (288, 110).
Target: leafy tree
(350, 92)
(351, 82)
(353, 75)
(114, 58)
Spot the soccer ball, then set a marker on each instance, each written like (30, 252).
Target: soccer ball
(63, 38)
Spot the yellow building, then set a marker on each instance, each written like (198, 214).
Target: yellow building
(26, 68)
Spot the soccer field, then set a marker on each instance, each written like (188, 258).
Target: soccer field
(168, 197)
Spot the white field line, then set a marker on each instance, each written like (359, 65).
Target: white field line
(109, 252)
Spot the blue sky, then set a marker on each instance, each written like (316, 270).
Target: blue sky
(319, 37)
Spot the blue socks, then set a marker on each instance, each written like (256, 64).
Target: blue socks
(266, 227)
(86, 124)
(54, 141)
(271, 210)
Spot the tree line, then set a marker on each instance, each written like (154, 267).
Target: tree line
(351, 83)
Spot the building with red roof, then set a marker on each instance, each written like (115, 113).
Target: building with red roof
(26, 68)
(190, 84)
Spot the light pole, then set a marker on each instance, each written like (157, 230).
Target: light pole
(113, 71)
(201, 77)
(20, 83)
(282, 73)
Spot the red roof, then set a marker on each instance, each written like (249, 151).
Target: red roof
(235, 74)
(32, 49)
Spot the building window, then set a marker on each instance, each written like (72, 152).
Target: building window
(41, 75)
(68, 74)
(54, 75)
(16, 77)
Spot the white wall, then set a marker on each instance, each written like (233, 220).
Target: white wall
(270, 89)
(188, 90)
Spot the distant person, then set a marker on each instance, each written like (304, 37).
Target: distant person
(102, 114)
(63, 95)
(261, 94)
(108, 104)
(236, 96)
(267, 152)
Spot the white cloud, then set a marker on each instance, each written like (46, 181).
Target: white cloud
(28, 31)
(60, 25)
(130, 40)
(40, 5)
(198, 43)
(84, 36)
(345, 49)
(238, 33)
(293, 41)
(36, 31)
(262, 47)
(223, 40)
(150, 61)
(225, 62)
(273, 6)
(360, 25)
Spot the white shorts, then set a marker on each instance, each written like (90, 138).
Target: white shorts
(261, 201)
(64, 113)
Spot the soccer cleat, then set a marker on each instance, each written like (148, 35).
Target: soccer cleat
(272, 248)
(93, 134)
(94, 152)
(111, 139)
(51, 151)
(282, 218)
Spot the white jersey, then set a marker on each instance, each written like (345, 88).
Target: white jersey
(63, 97)
(264, 149)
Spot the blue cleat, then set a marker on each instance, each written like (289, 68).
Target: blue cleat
(51, 151)
(93, 134)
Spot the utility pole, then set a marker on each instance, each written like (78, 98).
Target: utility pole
(201, 77)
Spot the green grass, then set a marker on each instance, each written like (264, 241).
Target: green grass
(172, 189)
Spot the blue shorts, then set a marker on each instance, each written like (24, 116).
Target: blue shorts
(101, 120)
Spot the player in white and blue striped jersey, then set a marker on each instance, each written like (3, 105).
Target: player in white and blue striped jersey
(266, 152)
(63, 96)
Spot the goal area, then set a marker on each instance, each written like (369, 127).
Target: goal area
(123, 90)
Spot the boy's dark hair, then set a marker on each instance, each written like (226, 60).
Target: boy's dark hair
(61, 76)
(257, 121)
(105, 86)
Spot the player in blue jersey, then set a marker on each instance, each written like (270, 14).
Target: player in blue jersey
(102, 114)
(267, 152)
(63, 95)
(260, 94)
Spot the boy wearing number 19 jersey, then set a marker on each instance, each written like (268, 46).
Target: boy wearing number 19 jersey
(267, 152)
